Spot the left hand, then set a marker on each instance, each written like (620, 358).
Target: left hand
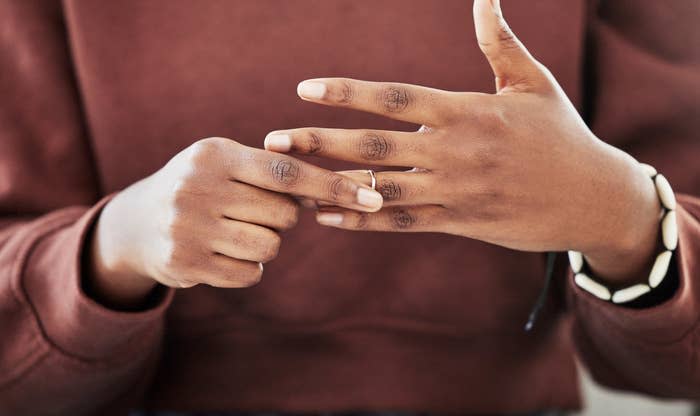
(518, 168)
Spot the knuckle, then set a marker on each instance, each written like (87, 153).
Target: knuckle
(488, 125)
(373, 146)
(346, 92)
(493, 118)
(338, 186)
(271, 247)
(362, 220)
(314, 142)
(390, 190)
(289, 216)
(469, 106)
(215, 143)
(395, 99)
(402, 218)
(449, 108)
(285, 171)
(238, 238)
(202, 151)
(486, 46)
(457, 106)
(506, 37)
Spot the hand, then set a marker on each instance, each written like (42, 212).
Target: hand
(519, 168)
(211, 215)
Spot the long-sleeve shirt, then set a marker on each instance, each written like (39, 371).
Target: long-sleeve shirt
(96, 95)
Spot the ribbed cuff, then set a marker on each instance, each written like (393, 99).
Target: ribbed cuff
(51, 274)
(666, 322)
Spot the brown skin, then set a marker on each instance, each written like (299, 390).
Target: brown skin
(211, 215)
(518, 168)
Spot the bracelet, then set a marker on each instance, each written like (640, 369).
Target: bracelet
(669, 233)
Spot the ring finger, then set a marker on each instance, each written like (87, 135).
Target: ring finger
(399, 188)
(244, 241)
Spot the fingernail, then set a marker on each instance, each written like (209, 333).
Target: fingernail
(312, 90)
(369, 198)
(329, 218)
(278, 142)
(307, 203)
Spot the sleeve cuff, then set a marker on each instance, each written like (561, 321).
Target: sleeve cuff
(666, 322)
(51, 273)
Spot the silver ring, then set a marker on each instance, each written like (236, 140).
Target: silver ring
(374, 179)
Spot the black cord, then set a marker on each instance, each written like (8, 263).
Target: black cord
(551, 257)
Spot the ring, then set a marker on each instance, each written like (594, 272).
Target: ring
(374, 179)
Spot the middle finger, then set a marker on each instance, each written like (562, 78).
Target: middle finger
(386, 148)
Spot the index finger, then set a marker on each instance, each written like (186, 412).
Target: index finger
(405, 102)
(282, 173)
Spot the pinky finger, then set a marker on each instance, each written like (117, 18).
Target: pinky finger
(227, 272)
(422, 218)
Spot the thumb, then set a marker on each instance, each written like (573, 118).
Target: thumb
(510, 61)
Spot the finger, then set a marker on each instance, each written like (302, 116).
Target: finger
(399, 188)
(306, 202)
(388, 148)
(286, 174)
(225, 272)
(399, 219)
(244, 241)
(247, 203)
(510, 61)
(405, 102)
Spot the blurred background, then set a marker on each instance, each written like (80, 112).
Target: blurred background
(602, 401)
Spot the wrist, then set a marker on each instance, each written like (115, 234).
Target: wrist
(626, 249)
(114, 278)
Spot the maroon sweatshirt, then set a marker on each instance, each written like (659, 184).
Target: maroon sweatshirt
(95, 95)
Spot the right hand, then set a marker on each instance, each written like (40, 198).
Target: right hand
(211, 215)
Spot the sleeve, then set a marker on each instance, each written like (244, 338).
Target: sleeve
(60, 352)
(643, 85)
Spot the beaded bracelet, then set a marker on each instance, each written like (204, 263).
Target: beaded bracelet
(669, 233)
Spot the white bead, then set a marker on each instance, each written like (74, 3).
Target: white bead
(630, 293)
(660, 268)
(575, 260)
(650, 170)
(592, 287)
(669, 230)
(663, 188)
